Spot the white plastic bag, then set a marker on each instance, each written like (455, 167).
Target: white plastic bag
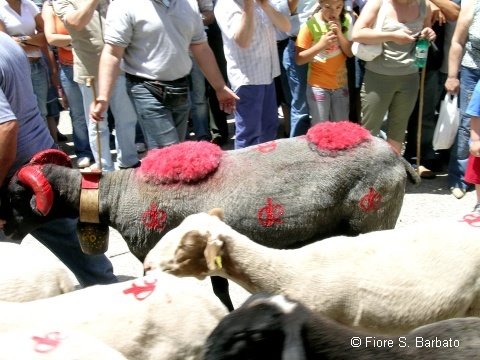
(447, 124)
(366, 52)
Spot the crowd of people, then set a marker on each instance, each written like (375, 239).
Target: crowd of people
(148, 69)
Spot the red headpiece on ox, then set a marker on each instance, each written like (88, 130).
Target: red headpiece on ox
(336, 136)
(31, 175)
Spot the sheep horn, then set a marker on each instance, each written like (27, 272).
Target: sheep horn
(32, 177)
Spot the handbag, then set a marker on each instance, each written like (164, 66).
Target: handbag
(447, 124)
(368, 52)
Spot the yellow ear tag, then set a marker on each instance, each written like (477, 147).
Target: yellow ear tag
(218, 261)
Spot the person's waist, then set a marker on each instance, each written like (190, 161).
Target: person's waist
(139, 79)
(34, 59)
(293, 38)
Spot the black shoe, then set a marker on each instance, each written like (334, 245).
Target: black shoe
(130, 167)
(61, 137)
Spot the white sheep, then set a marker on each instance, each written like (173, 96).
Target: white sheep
(274, 327)
(54, 345)
(26, 275)
(388, 281)
(155, 317)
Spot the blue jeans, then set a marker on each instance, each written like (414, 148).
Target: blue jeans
(40, 82)
(77, 113)
(60, 237)
(327, 104)
(256, 116)
(162, 125)
(461, 149)
(125, 122)
(200, 113)
(297, 80)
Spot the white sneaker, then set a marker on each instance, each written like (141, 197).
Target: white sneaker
(141, 147)
(83, 162)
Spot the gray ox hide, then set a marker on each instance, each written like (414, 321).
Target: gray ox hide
(285, 198)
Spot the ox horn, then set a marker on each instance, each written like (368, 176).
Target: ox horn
(33, 177)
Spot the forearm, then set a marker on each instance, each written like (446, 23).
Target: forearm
(280, 21)
(454, 58)
(372, 36)
(448, 8)
(8, 147)
(244, 33)
(78, 19)
(292, 5)
(37, 40)
(475, 128)
(345, 45)
(206, 61)
(108, 71)
(305, 56)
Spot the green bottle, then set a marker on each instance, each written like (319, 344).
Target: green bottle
(421, 52)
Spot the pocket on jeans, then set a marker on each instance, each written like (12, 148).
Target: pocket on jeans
(175, 96)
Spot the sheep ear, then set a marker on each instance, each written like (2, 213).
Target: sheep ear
(218, 212)
(213, 254)
(293, 345)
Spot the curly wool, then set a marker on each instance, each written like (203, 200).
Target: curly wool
(335, 136)
(187, 162)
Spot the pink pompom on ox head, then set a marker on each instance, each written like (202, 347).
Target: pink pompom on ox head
(335, 136)
(187, 162)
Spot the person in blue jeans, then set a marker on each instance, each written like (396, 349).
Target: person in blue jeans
(23, 133)
(297, 74)
(466, 37)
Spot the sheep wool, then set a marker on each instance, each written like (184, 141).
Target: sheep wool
(388, 281)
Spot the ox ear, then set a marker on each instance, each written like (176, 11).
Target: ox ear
(213, 253)
(218, 212)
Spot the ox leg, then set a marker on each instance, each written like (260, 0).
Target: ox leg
(220, 288)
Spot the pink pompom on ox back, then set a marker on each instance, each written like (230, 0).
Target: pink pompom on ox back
(334, 136)
(187, 162)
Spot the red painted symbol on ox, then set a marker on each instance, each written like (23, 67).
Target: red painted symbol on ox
(48, 342)
(154, 218)
(472, 220)
(371, 202)
(270, 214)
(141, 292)
(267, 147)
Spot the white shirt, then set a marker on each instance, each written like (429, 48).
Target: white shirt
(305, 8)
(156, 39)
(256, 65)
(18, 25)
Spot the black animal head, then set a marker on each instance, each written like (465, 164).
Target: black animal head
(28, 201)
(264, 327)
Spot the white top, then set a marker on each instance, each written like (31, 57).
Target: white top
(256, 65)
(156, 39)
(305, 8)
(20, 25)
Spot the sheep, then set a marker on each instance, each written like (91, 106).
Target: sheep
(275, 327)
(337, 179)
(388, 281)
(26, 275)
(54, 345)
(154, 317)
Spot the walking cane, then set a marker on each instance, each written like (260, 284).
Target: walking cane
(93, 235)
(420, 117)
(90, 82)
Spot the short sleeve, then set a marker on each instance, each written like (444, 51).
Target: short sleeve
(62, 8)
(6, 113)
(304, 38)
(119, 25)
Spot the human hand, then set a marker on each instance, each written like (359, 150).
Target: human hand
(429, 34)
(97, 109)
(402, 36)
(452, 85)
(226, 99)
(335, 27)
(437, 15)
(475, 148)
